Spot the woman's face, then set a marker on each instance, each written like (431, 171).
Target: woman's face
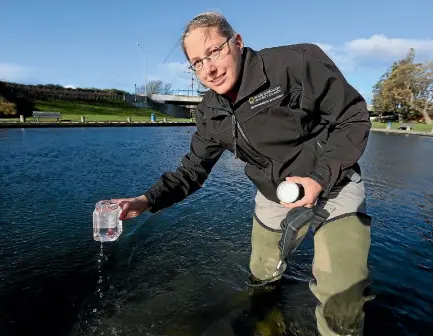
(216, 60)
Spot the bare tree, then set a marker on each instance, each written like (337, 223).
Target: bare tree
(166, 89)
(155, 87)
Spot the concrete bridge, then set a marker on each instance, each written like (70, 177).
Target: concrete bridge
(176, 99)
(179, 106)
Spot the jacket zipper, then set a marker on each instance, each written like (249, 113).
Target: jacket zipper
(238, 126)
(234, 135)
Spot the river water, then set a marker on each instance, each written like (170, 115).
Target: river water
(183, 271)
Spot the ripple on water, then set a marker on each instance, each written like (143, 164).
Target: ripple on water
(183, 269)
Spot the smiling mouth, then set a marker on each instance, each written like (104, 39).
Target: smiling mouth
(218, 78)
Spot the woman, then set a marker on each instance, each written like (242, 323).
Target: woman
(288, 113)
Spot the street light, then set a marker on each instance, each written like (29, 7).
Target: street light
(192, 82)
(144, 72)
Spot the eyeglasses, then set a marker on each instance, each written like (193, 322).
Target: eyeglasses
(212, 57)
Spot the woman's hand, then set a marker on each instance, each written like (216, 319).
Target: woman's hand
(312, 190)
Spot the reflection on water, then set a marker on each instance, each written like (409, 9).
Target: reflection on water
(183, 271)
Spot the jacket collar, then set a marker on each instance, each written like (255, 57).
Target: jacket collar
(251, 78)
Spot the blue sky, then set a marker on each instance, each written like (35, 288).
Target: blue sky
(93, 43)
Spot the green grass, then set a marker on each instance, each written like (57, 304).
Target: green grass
(91, 108)
(395, 125)
(96, 111)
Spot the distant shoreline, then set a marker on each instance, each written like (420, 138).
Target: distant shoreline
(384, 130)
(93, 124)
(153, 124)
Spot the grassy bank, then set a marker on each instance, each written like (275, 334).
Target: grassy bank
(97, 111)
(415, 126)
(119, 111)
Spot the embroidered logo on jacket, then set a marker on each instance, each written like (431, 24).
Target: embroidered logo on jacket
(266, 97)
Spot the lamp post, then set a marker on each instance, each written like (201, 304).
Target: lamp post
(144, 72)
(192, 82)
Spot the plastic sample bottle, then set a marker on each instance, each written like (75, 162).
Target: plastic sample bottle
(289, 192)
(107, 226)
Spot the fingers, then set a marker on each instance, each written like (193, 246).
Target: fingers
(305, 202)
(131, 207)
(126, 207)
(119, 201)
(311, 192)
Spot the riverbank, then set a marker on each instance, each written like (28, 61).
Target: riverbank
(103, 110)
(36, 124)
(96, 110)
(42, 124)
(395, 131)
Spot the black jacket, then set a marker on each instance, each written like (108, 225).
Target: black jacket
(294, 115)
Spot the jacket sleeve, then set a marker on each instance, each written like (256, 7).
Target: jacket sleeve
(326, 91)
(194, 168)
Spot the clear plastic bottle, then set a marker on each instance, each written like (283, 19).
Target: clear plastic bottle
(107, 226)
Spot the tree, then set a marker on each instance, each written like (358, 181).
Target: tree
(155, 87)
(406, 88)
(426, 98)
(382, 100)
(166, 89)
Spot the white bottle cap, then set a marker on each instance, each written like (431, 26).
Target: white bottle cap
(287, 192)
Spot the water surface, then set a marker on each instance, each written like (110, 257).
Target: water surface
(182, 271)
